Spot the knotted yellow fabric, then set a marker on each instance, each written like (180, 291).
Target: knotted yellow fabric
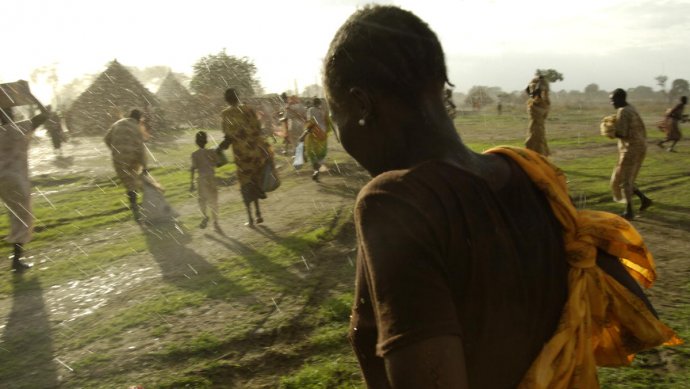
(602, 322)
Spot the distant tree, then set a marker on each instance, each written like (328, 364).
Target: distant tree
(593, 94)
(551, 75)
(313, 90)
(494, 91)
(642, 92)
(215, 73)
(679, 87)
(661, 81)
(70, 91)
(591, 89)
(478, 96)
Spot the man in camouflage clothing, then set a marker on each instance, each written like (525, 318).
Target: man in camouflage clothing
(125, 139)
(632, 148)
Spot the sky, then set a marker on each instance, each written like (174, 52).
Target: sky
(612, 43)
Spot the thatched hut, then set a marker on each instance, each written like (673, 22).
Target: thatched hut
(110, 97)
(180, 106)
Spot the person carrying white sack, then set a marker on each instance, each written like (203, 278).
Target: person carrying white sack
(125, 139)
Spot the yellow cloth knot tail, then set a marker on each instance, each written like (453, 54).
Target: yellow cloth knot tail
(602, 323)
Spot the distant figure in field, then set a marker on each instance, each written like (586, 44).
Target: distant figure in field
(251, 151)
(632, 148)
(538, 106)
(671, 124)
(281, 130)
(54, 128)
(315, 136)
(205, 161)
(499, 108)
(451, 108)
(296, 116)
(125, 139)
(15, 185)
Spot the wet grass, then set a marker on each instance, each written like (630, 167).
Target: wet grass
(271, 273)
(275, 313)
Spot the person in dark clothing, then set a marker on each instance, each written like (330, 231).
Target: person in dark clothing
(465, 261)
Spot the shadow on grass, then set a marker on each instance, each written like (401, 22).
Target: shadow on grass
(26, 351)
(339, 189)
(261, 263)
(183, 266)
(669, 216)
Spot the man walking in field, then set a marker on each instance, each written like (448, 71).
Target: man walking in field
(632, 147)
(671, 124)
(538, 106)
(125, 139)
(54, 128)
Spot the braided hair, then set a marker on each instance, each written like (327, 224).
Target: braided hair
(386, 48)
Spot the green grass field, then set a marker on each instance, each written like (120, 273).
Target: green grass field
(111, 305)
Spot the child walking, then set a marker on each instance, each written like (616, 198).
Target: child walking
(205, 161)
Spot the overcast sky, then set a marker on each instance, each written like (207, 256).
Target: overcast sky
(612, 43)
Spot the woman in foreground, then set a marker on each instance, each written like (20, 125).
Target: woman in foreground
(474, 270)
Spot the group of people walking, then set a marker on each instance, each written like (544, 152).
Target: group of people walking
(626, 126)
(253, 156)
(305, 132)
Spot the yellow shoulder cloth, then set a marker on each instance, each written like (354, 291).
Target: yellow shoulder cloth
(602, 322)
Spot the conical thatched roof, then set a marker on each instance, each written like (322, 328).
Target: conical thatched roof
(177, 102)
(110, 97)
(172, 90)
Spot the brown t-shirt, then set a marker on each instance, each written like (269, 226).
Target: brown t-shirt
(205, 160)
(441, 253)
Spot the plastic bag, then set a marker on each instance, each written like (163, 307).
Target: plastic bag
(299, 156)
(154, 206)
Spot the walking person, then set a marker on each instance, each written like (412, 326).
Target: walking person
(538, 105)
(205, 161)
(295, 117)
(251, 152)
(54, 128)
(671, 124)
(125, 139)
(15, 185)
(632, 148)
(315, 137)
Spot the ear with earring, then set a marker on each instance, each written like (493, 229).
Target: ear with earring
(361, 122)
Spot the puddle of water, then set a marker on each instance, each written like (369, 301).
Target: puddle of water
(75, 299)
(79, 155)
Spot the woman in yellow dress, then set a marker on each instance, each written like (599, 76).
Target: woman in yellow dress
(251, 151)
(315, 136)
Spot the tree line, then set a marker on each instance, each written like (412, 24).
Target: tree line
(480, 96)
